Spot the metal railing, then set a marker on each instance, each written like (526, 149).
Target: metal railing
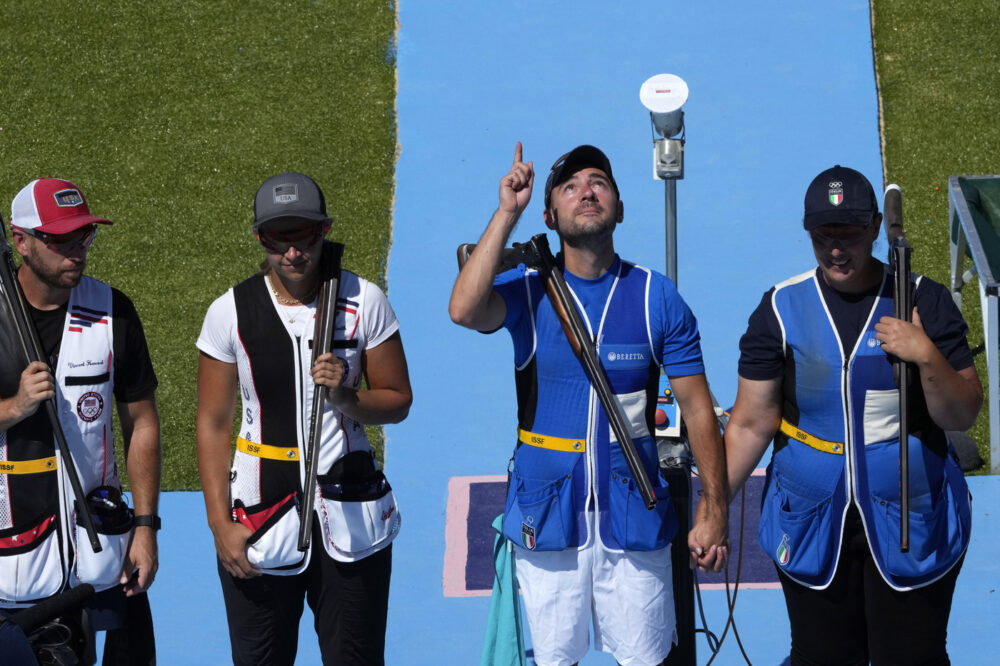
(973, 234)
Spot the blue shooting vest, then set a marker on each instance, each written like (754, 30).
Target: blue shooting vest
(845, 450)
(567, 459)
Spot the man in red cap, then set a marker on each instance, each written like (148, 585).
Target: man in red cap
(95, 353)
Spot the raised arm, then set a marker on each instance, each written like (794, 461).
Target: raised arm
(217, 385)
(140, 423)
(709, 537)
(752, 425)
(474, 304)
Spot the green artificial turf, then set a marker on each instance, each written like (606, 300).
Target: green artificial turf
(168, 115)
(938, 69)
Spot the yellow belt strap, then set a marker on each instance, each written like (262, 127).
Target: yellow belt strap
(836, 448)
(551, 443)
(28, 466)
(267, 451)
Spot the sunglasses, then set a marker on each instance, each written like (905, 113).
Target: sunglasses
(845, 236)
(301, 239)
(74, 241)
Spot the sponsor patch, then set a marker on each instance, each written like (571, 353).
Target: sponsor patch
(527, 536)
(286, 194)
(68, 198)
(89, 406)
(626, 357)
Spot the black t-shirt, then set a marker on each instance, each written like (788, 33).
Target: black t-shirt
(762, 356)
(134, 375)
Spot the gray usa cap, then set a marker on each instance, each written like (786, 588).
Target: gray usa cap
(288, 194)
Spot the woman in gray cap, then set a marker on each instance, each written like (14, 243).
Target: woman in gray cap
(257, 338)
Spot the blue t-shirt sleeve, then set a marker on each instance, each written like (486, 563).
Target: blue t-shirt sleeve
(514, 289)
(675, 327)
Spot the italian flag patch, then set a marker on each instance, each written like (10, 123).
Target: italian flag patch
(527, 536)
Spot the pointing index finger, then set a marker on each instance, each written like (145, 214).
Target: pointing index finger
(517, 154)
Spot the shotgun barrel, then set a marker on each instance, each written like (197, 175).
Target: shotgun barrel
(31, 347)
(326, 317)
(902, 293)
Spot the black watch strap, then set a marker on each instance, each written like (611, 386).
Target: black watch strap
(148, 520)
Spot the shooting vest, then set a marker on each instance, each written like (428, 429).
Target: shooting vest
(567, 459)
(268, 469)
(838, 445)
(41, 546)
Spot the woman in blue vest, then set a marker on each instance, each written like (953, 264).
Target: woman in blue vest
(816, 377)
(257, 340)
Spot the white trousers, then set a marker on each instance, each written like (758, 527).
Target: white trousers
(627, 595)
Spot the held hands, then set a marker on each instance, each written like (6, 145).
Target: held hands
(905, 340)
(516, 186)
(141, 562)
(708, 540)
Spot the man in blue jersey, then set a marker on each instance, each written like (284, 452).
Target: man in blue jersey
(816, 377)
(587, 549)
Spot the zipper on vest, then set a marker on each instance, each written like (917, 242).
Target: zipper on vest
(300, 403)
(852, 494)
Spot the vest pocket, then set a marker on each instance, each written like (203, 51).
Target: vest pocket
(358, 510)
(32, 565)
(936, 536)
(633, 525)
(539, 513)
(274, 543)
(796, 532)
(113, 524)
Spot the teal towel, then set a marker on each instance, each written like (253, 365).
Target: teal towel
(504, 641)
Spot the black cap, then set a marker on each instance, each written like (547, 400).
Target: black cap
(581, 157)
(288, 195)
(839, 196)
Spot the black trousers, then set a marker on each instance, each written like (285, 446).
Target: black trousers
(860, 619)
(349, 601)
(132, 644)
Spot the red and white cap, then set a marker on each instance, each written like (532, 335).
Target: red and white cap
(51, 205)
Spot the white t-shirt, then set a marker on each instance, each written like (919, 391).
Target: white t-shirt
(363, 315)
(376, 323)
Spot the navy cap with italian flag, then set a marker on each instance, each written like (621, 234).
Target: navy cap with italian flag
(839, 196)
(53, 206)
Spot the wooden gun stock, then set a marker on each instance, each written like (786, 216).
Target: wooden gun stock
(583, 348)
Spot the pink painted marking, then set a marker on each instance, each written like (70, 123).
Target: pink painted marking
(760, 471)
(456, 539)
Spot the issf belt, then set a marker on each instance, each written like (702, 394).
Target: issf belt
(570, 445)
(799, 435)
(28, 466)
(266, 450)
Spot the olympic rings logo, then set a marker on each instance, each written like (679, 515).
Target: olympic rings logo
(836, 184)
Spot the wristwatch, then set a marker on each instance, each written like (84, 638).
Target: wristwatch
(147, 520)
